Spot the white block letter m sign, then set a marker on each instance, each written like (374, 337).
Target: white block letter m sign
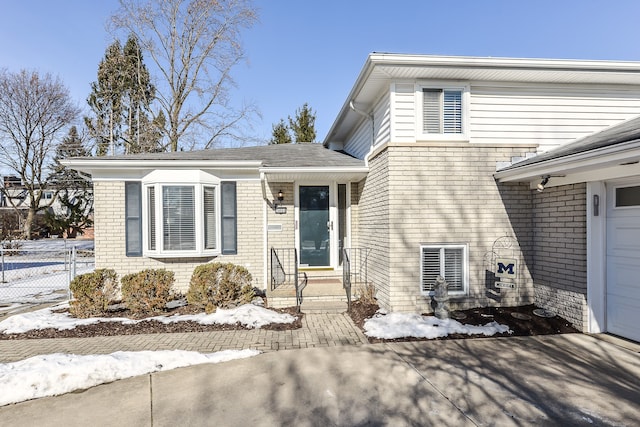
(506, 267)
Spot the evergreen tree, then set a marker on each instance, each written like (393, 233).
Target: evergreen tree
(141, 134)
(121, 103)
(303, 126)
(280, 134)
(75, 194)
(105, 102)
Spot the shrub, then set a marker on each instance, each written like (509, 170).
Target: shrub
(148, 291)
(367, 294)
(92, 293)
(219, 285)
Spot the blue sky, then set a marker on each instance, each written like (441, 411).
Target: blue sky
(312, 51)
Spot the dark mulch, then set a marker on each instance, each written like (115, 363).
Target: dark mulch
(147, 326)
(532, 325)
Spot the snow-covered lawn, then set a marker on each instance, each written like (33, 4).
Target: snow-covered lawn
(38, 270)
(54, 374)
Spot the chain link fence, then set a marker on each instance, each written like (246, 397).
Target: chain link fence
(40, 271)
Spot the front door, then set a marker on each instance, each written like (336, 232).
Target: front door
(314, 226)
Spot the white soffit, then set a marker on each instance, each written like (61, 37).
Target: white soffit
(315, 174)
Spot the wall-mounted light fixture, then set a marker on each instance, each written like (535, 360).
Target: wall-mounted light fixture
(278, 206)
(545, 180)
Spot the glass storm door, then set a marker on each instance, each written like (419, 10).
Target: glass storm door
(314, 226)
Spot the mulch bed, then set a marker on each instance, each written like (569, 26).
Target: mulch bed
(530, 325)
(147, 326)
(359, 313)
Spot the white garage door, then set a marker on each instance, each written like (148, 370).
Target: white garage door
(623, 260)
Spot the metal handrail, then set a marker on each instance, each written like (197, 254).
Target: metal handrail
(354, 269)
(283, 261)
(346, 275)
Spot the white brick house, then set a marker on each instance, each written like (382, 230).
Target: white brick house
(420, 169)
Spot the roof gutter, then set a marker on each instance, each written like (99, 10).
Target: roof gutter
(612, 155)
(103, 164)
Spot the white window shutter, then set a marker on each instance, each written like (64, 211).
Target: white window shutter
(432, 110)
(452, 111)
(430, 268)
(454, 268)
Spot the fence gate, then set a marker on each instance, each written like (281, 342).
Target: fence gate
(31, 275)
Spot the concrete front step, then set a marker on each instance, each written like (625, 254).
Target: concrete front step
(323, 306)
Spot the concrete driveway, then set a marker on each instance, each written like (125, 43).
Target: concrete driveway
(521, 381)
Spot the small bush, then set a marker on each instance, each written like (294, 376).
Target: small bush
(367, 293)
(148, 291)
(219, 285)
(92, 293)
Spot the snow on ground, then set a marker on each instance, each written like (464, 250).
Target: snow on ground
(54, 374)
(248, 315)
(38, 270)
(400, 325)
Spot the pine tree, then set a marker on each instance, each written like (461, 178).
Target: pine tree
(105, 102)
(121, 101)
(280, 134)
(303, 126)
(75, 194)
(141, 134)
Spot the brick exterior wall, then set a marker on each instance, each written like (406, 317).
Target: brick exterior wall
(370, 225)
(435, 194)
(110, 236)
(560, 252)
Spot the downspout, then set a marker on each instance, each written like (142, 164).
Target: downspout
(373, 129)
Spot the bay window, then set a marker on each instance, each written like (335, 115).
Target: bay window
(180, 219)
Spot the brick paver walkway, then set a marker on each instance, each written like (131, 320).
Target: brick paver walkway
(318, 330)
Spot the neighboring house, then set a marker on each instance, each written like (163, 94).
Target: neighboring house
(15, 198)
(407, 183)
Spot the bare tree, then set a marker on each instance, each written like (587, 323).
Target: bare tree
(34, 110)
(194, 45)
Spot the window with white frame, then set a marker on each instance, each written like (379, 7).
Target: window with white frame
(449, 261)
(443, 111)
(181, 219)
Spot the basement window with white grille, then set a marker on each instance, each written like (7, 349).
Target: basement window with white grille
(449, 261)
(443, 112)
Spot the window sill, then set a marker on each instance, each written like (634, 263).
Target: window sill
(181, 254)
(442, 138)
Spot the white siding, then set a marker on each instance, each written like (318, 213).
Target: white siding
(404, 112)
(382, 119)
(548, 116)
(359, 143)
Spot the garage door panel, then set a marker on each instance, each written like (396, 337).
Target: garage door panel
(624, 239)
(623, 277)
(623, 260)
(619, 310)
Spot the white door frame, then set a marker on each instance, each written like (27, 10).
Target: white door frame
(333, 219)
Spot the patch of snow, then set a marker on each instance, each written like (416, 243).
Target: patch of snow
(400, 325)
(248, 315)
(54, 374)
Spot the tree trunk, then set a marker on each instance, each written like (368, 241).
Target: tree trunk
(28, 224)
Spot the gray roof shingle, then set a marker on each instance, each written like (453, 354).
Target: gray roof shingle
(627, 131)
(276, 156)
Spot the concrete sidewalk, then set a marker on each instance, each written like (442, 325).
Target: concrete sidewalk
(547, 380)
